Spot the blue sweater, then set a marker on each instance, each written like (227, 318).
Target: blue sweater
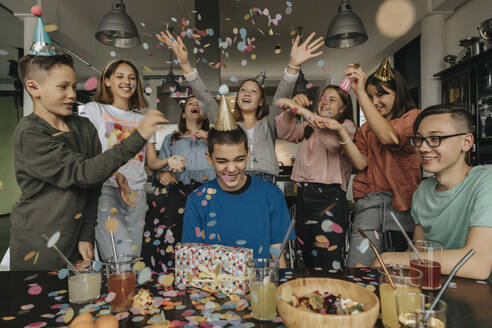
(256, 216)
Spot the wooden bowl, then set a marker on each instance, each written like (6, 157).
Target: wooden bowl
(298, 318)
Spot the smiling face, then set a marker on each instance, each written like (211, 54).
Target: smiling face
(330, 104)
(55, 90)
(451, 152)
(249, 97)
(192, 109)
(122, 83)
(229, 162)
(382, 101)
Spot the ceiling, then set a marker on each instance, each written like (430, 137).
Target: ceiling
(77, 22)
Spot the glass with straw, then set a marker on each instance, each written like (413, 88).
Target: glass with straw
(413, 307)
(406, 280)
(122, 279)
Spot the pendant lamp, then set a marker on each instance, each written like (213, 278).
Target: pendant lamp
(346, 29)
(117, 29)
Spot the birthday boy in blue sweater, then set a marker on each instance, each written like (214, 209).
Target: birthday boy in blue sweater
(235, 209)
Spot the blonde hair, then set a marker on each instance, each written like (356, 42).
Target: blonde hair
(105, 96)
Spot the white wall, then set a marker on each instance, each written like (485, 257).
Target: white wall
(464, 22)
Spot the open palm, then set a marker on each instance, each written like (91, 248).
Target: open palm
(300, 53)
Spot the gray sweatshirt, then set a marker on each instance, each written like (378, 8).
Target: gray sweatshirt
(264, 158)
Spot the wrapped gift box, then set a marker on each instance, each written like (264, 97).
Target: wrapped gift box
(213, 268)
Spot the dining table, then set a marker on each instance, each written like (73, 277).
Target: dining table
(40, 299)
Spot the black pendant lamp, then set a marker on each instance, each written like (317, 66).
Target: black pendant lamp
(346, 29)
(117, 29)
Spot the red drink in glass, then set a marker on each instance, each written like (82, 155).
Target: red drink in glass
(431, 273)
(123, 285)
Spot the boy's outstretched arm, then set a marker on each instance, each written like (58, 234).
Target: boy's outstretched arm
(51, 160)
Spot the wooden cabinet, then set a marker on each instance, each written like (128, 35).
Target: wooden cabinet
(469, 85)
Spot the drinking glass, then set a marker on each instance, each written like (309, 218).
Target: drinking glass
(412, 308)
(406, 280)
(122, 281)
(85, 286)
(430, 264)
(263, 278)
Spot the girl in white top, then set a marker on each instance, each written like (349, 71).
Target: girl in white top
(115, 114)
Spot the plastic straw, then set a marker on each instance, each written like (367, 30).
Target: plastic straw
(286, 237)
(448, 281)
(115, 255)
(409, 241)
(70, 265)
(375, 250)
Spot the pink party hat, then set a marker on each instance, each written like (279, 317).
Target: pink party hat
(345, 85)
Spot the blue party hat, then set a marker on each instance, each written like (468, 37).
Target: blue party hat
(42, 44)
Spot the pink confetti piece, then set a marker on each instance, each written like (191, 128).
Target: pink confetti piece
(182, 192)
(336, 228)
(111, 296)
(481, 282)
(91, 83)
(300, 241)
(37, 324)
(162, 210)
(154, 204)
(198, 232)
(35, 289)
(309, 86)
(204, 202)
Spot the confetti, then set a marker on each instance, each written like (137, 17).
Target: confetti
(68, 315)
(211, 223)
(244, 62)
(112, 54)
(147, 68)
(144, 276)
(139, 265)
(240, 242)
(111, 296)
(321, 239)
(35, 289)
(336, 228)
(3, 52)
(111, 224)
(336, 265)
(223, 89)
(63, 273)
(77, 216)
(321, 63)
(29, 255)
(326, 225)
(53, 239)
(145, 45)
(50, 27)
(364, 246)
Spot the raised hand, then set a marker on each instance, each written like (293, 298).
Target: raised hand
(150, 123)
(300, 53)
(325, 123)
(302, 100)
(357, 78)
(201, 134)
(167, 178)
(176, 45)
(176, 163)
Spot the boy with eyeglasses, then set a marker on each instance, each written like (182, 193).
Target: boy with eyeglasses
(453, 206)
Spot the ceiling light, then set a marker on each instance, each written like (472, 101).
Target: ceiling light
(346, 29)
(117, 29)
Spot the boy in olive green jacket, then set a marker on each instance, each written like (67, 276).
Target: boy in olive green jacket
(59, 167)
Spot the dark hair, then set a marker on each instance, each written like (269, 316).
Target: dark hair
(460, 115)
(105, 96)
(182, 128)
(403, 100)
(261, 111)
(346, 114)
(231, 137)
(29, 64)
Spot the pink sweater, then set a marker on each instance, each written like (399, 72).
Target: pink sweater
(320, 158)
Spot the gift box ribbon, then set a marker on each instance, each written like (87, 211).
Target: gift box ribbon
(216, 278)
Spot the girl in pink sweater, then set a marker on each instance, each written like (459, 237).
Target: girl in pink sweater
(322, 169)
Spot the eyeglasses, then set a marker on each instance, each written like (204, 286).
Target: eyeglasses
(431, 141)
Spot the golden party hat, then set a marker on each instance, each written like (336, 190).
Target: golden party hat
(384, 72)
(225, 120)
